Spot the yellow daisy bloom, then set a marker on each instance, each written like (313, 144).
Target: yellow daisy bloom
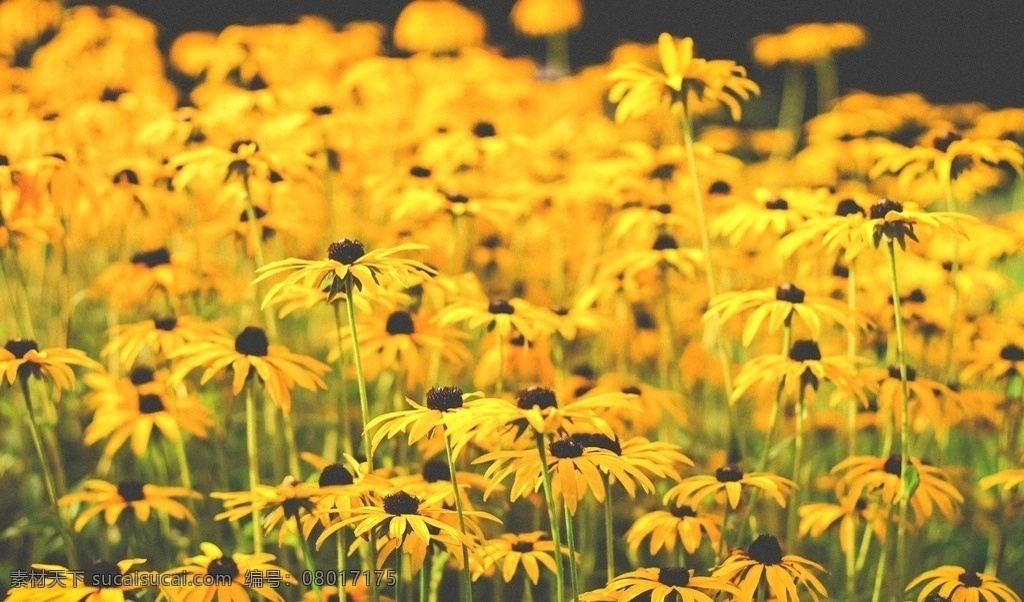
(680, 524)
(142, 499)
(664, 584)
(684, 81)
(510, 551)
(957, 584)
(867, 475)
(289, 502)
(948, 156)
(536, 18)
(575, 469)
(22, 358)
(1007, 478)
(778, 306)
(890, 221)
(804, 366)
(160, 336)
(807, 43)
(349, 266)
(217, 576)
(438, 26)
(251, 354)
(763, 565)
(731, 480)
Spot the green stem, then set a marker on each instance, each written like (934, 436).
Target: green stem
(343, 411)
(51, 488)
(549, 498)
(424, 580)
(901, 528)
(570, 537)
(500, 386)
(609, 531)
(254, 466)
(791, 111)
(339, 541)
(467, 578)
(876, 592)
(436, 574)
(723, 545)
(798, 457)
(851, 571)
(558, 52)
(364, 402)
(527, 588)
(398, 575)
(828, 83)
(851, 351)
(307, 557)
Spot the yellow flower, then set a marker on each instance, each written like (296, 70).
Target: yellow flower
(287, 503)
(804, 366)
(731, 480)
(664, 584)
(21, 358)
(104, 581)
(778, 306)
(408, 524)
(438, 26)
(680, 524)
(1007, 478)
(513, 550)
(159, 336)
(217, 575)
(684, 81)
(250, 354)
(764, 565)
(503, 316)
(889, 221)
(807, 43)
(536, 18)
(948, 157)
(348, 264)
(957, 584)
(574, 469)
(866, 475)
(141, 498)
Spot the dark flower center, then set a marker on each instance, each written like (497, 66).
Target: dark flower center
(729, 474)
(643, 319)
(848, 207)
(916, 296)
(257, 211)
(894, 465)
(790, 293)
(804, 350)
(400, 322)
(535, 396)
(19, 347)
(294, 505)
(683, 511)
(111, 94)
(322, 110)
(522, 546)
(444, 399)
(673, 577)
(1012, 353)
(252, 341)
(665, 171)
(598, 440)
(418, 171)
(500, 306)
(130, 491)
(152, 258)
(765, 550)
(840, 271)
(631, 390)
(346, 251)
(894, 372)
(126, 176)
(665, 241)
(943, 140)
(435, 470)
(141, 375)
(457, 198)
(223, 567)
(103, 573)
(584, 370)
(970, 579)
(4, 161)
(719, 187)
(777, 204)
(400, 502)
(166, 324)
(335, 474)
(662, 208)
(566, 447)
(484, 129)
(883, 207)
(150, 404)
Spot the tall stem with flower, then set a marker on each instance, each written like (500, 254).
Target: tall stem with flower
(467, 578)
(549, 499)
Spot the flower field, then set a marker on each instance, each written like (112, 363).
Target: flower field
(343, 312)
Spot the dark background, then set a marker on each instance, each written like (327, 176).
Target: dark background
(948, 50)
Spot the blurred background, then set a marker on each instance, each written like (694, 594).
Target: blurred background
(949, 51)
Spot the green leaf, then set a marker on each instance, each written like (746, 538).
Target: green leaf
(911, 481)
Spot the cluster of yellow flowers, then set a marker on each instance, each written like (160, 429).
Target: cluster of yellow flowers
(606, 343)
